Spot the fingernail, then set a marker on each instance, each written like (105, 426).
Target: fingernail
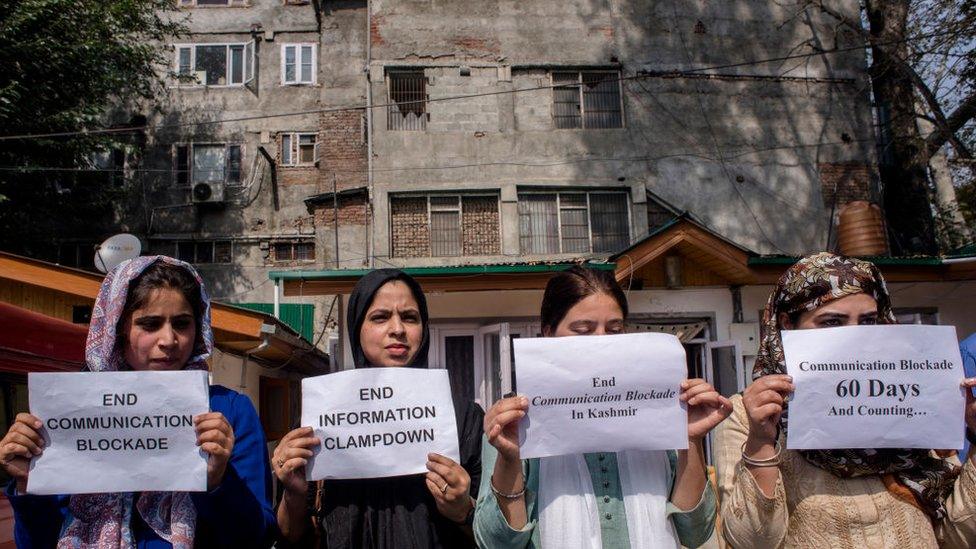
(37, 424)
(523, 400)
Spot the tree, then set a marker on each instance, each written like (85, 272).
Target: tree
(922, 61)
(64, 66)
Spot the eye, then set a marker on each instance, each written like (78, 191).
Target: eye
(150, 324)
(411, 317)
(615, 329)
(868, 321)
(830, 322)
(182, 323)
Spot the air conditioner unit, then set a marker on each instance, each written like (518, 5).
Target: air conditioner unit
(207, 192)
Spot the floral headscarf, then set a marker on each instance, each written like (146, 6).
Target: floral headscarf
(104, 520)
(812, 282)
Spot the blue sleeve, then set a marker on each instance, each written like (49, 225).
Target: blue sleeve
(37, 519)
(237, 513)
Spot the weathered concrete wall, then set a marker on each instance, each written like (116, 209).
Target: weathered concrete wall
(742, 147)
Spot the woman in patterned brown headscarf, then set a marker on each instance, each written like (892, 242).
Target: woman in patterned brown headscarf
(772, 497)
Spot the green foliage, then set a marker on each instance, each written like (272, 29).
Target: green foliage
(63, 65)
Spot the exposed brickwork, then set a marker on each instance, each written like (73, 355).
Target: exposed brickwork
(479, 225)
(845, 182)
(352, 211)
(342, 150)
(295, 175)
(410, 230)
(477, 45)
(376, 21)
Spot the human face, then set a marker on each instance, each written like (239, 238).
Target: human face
(161, 334)
(596, 314)
(853, 310)
(392, 330)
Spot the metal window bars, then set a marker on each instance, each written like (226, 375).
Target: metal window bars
(408, 101)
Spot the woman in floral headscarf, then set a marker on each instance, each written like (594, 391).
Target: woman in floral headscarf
(888, 498)
(153, 313)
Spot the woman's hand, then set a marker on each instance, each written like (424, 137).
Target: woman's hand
(215, 436)
(764, 401)
(18, 446)
(449, 483)
(501, 425)
(706, 407)
(290, 458)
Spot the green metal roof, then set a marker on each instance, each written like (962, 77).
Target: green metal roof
(448, 270)
(878, 260)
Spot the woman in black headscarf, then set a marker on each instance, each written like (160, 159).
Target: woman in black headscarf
(388, 326)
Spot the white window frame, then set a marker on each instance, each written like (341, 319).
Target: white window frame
(294, 139)
(189, 169)
(589, 224)
(247, 58)
(582, 103)
(298, 64)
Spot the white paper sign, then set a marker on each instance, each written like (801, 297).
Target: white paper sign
(378, 422)
(875, 387)
(118, 431)
(601, 394)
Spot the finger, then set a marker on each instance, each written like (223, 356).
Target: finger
(292, 465)
(779, 385)
(12, 449)
(767, 411)
(439, 481)
(507, 404)
(508, 417)
(204, 417)
(212, 436)
(22, 440)
(291, 453)
(435, 491)
(301, 432)
(711, 398)
(693, 382)
(307, 442)
(698, 389)
(444, 460)
(28, 432)
(445, 471)
(969, 382)
(29, 420)
(212, 423)
(726, 403)
(214, 449)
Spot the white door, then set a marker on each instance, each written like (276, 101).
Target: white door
(495, 369)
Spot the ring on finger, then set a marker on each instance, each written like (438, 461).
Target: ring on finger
(444, 488)
(281, 463)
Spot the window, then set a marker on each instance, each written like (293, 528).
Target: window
(408, 101)
(207, 163)
(294, 251)
(575, 222)
(445, 226)
(588, 100)
(298, 64)
(216, 64)
(197, 252)
(299, 149)
(916, 315)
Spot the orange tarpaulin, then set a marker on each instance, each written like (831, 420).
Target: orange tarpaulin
(33, 342)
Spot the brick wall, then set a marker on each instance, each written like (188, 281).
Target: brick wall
(342, 150)
(479, 225)
(409, 227)
(352, 211)
(845, 182)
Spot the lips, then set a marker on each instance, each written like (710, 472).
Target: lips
(397, 349)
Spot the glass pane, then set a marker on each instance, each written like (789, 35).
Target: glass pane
(248, 61)
(459, 361)
(306, 63)
(223, 252)
(204, 252)
(723, 371)
(213, 61)
(282, 251)
(601, 100)
(182, 165)
(234, 164)
(538, 224)
(289, 63)
(237, 64)
(208, 163)
(609, 222)
(286, 149)
(566, 99)
(445, 233)
(306, 153)
(493, 366)
(185, 55)
(444, 202)
(305, 251)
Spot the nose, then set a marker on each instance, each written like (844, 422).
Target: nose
(167, 335)
(600, 330)
(396, 325)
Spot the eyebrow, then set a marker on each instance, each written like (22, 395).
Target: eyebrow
(160, 317)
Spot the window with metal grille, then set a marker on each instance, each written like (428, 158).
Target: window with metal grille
(198, 252)
(207, 163)
(586, 99)
(294, 251)
(445, 226)
(298, 149)
(408, 101)
(576, 222)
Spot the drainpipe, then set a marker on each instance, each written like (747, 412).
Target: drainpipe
(369, 133)
(277, 298)
(266, 332)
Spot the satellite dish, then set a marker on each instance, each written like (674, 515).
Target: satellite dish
(115, 250)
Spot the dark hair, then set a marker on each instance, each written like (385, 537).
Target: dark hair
(162, 275)
(573, 285)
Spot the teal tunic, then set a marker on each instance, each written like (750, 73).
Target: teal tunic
(491, 530)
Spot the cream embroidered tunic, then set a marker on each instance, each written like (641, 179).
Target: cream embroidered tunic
(812, 508)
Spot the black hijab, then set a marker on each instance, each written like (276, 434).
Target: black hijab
(362, 297)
